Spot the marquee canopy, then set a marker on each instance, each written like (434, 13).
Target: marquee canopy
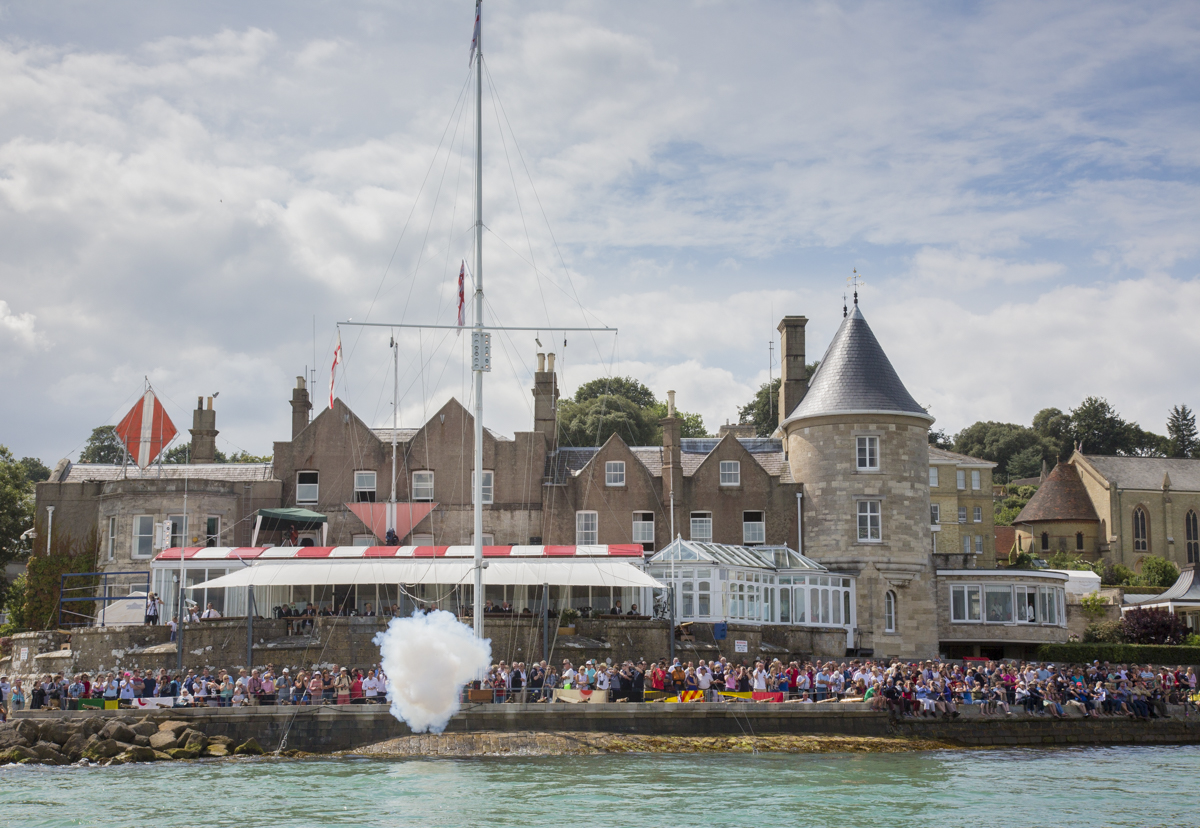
(593, 572)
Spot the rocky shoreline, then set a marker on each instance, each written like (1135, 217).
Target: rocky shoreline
(108, 741)
(533, 743)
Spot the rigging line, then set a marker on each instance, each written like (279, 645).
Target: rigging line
(417, 199)
(538, 199)
(543, 274)
(453, 215)
(516, 194)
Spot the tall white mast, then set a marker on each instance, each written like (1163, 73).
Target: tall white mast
(478, 343)
(391, 516)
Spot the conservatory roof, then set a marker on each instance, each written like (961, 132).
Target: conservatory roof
(758, 557)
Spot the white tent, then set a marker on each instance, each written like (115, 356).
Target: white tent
(603, 573)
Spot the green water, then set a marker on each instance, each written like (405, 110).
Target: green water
(1078, 787)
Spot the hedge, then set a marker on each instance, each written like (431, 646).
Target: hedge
(1119, 654)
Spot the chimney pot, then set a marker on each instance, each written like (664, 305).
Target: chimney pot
(199, 403)
(670, 403)
(210, 403)
(300, 382)
(550, 363)
(541, 363)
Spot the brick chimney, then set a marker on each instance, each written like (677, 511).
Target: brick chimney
(204, 432)
(794, 375)
(672, 471)
(300, 407)
(545, 400)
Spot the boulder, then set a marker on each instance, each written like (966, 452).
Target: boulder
(58, 730)
(163, 740)
(221, 740)
(10, 738)
(138, 753)
(173, 727)
(118, 731)
(145, 728)
(250, 747)
(216, 750)
(17, 754)
(162, 757)
(74, 746)
(92, 725)
(182, 753)
(102, 749)
(47, 753)
(30, 731)
(193, 740)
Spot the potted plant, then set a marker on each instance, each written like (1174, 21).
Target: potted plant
(566, 622)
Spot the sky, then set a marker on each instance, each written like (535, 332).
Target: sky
(195, 195)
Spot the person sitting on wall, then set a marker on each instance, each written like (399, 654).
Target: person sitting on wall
(616, 609)
(633, 610)
(293, 536)
(210, 614)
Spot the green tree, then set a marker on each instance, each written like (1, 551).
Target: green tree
(997, 442)
(1181, 432)
(626, 387)
(35, 470)
(104, 446)
(245, 457)
(1006, 510)
(1027, 462)
(591, 422)
(939, 439)
(762, 412)
(16, 511)
(1098, 429)
(1157, 572)
(1054, 427)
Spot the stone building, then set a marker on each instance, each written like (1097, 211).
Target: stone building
(961, 513)
(1059, 517)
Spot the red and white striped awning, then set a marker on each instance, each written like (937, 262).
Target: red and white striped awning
(283, 553)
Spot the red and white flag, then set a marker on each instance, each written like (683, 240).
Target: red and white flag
(146, 430)
(475, 36)
(337, 357)
(462, 294)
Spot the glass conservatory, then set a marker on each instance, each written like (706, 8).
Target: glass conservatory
(754, 584)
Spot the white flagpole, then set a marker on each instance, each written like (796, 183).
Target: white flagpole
(477, 483)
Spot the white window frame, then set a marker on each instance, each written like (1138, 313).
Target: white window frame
(977, 515)
(145, 538)
(933, 477)
(730, 472)
(489, 487)
(643, 530)
(889, 611)
(754, 532)
(587, 528)
(999, 590)
(112, 538)
(976, 480)
(699, 524)
(979, 544)
(614, 473)
(360, 485)
(962, 514)
(869, 521)
(960, 478)
(423, 485)
(303, 490)
(866, 452)
(966, 590)
(935, 514)
(966, 543)
(179, 529)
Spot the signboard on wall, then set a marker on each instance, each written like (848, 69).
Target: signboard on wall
(741, 647)
(24, 654)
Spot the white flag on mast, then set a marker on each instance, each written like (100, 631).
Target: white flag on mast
(337, 357)
(475, 35)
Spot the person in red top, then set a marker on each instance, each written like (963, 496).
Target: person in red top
(356, 688)
(793, 674)
(658, 677)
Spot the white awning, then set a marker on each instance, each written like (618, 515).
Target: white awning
(605, 573)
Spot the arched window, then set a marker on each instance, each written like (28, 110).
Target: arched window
(1045, 541)
(1193, 537)
(1141, 537)
(889, 611)
(1079, 541)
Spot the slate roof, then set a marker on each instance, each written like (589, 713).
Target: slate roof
(243, 472)
(568, 462)
(855, 376)
(1185, 589)
(941, 456)
(1147, 472)
(1061, 497)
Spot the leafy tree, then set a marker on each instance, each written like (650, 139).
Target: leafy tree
(1054, 427)
(998, 442)
(16, 510)
(1026, 463)
(104, 446)
(35, 470)
(939, 439)
(593, 421)
(246, 457)
(1117, 575)
(1157, 572)
(1006, 510)
(626, 387)
(43, 578)
(1181, 432)
(1104, 632)
(763, 411)
(1099, 429)
(1152, 626)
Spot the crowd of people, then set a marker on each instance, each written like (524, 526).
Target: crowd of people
(905, 689)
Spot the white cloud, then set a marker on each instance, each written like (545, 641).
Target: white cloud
(19, 327)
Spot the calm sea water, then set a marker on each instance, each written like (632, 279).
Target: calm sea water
(1078, 787)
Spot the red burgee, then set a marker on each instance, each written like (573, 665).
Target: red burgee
(146, 430)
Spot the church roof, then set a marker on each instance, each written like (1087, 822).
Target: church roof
(1147, 472)
(1061, 497)
(855, 376)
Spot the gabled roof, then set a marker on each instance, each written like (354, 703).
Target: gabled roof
(855, 377)
(241, 472)
(941, 456)
(569, 461)
(1147, 472)
(761, 557)
(1061, 497)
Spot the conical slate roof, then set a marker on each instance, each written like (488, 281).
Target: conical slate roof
(855, 377)
(1061, 497)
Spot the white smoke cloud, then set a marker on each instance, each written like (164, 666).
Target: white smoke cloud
(428, 658)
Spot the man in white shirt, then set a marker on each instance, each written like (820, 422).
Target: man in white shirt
(704, 680)
(210, 612)
(760, 676)
(568, 673)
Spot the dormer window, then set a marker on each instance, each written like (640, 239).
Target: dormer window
(868, 453)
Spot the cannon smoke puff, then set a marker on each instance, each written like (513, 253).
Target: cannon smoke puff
(427, 659)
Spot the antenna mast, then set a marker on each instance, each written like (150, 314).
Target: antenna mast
(479, 343)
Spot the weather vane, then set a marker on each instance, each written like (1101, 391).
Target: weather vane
(855, 282)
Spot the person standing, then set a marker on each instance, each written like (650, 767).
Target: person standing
(152, 609)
